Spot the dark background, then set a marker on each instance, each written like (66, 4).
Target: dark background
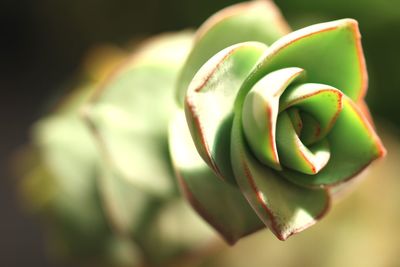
(43, 42)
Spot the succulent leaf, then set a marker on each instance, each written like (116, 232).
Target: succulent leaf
(210, 100)
(221, 204)
(330, 53)
(283, 206)
(65, 175)
(131, 132)
(353, 145)
(126, 205)
(294, 154)
(250, 21)
(174, 229)
(260, 112)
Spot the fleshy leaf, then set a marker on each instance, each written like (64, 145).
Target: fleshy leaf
(251, 21)
(210, 100)
(173, 230)
(139, 158)
(126, 205)
(330, 53)
(283, 206)
(294, 154)
(353, 144)
(322, 102)
(221, 204)
(131, 132)
(260, 112)
(66, 176)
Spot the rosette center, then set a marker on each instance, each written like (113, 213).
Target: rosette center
(286, 122)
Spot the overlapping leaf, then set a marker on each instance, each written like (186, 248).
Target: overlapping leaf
(258, 21)
(221, 204)
(128, 116)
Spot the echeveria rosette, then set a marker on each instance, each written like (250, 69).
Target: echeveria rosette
(280, 125)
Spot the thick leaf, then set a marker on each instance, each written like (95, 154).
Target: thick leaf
(322, 102)
(70, 157)
(219, 203)
(251, 21)
(260, 112)
(210, 100)
(176, 230)
(129, 114)
(294, 154)
(353, 144)
(139, 157)
(126, 205)
(65, 177)
(330, 53)
(283, 206)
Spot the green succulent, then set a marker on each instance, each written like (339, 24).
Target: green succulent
(277, 119)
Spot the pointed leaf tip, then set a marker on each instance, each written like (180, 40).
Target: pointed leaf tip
(210, 100)
(330, 53)
(259, 21)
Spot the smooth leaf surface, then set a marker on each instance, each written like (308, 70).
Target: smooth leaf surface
(221, 204)
(330, 53)
(125, 204)
(251, 21)
(353, 144)
(70, 156)
(129, 114)
(321, 102)
(139, 157)
(210, 100)
(65, 175)
(283, 206)
(260, 112)
(174, 231)
(294, 154)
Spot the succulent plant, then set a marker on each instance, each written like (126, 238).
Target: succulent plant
(265, 126)
(98, 168)
(279, 122)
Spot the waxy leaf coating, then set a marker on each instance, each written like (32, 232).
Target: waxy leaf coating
(208, 194)
(282, 124)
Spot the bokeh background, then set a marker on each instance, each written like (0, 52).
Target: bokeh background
(43, 42)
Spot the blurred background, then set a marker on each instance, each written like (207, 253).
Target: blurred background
(43, 43)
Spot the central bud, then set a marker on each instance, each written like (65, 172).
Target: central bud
(286, 121)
